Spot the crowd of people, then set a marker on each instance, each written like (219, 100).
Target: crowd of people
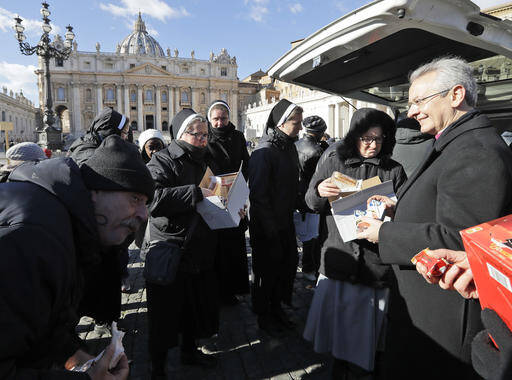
(66, 224)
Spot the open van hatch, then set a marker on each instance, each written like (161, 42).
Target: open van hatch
(368, 54)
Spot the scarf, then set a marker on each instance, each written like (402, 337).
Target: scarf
(222, 133)
(194, 152)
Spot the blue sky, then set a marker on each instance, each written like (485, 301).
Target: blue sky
(257, 32)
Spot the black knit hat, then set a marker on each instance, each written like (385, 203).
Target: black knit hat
(117, 165)
(279, 114)
(181, 120)
(314, 124)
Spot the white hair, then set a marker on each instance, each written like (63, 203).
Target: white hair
(451, 71)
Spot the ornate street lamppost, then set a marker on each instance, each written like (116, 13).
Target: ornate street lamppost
(49, 136)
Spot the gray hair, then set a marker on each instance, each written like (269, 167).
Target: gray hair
(451, 71)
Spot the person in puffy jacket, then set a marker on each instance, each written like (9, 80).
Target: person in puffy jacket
(347, 314)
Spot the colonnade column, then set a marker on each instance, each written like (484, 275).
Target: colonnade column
(99, 98)
(119, 99)
(140, 109)
(126, 101)
(158, 105)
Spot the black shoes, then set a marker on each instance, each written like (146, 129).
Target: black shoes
(198, 358)
(283, 319)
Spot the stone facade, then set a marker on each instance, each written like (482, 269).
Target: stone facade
(15, 108)
(503, 11)
(138, 80)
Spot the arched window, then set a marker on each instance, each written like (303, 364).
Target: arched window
(133, 96)
(165, 126)
(164, 96)
(88, 95)
(110, 94)
(223, 72)
(61, 94)
(133, 125)
(203, 98)
(149, 95)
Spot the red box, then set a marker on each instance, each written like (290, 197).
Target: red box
(489, 250)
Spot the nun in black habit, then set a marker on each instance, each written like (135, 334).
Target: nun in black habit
(273, 184)
(227, 153)
(189, 305)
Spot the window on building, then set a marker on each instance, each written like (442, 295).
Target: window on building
(3, 115)
(133, 125)
(184, 96)
(87, 65)
(88, 95)
(110, 94)
(133, 96)
(61, 94)
(149, 95)
(223, 71)
(164, 108)
(165, 126)
(184, 69)
(164, 67)
(109, 65)
(164, 96)
(133, 108)
(59, 62)
(203, 71)
(203, 98)
(132, 65)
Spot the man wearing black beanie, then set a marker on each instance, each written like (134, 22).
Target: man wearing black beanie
(58, 221)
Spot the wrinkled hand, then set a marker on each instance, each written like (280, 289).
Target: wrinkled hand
(458, 277)
(372, 232)
(390, 204)
(488, 361)
(79, 357)
(100, 371)
(328, 189)
(206, 192)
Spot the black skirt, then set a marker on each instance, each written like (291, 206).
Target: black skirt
(189, 304)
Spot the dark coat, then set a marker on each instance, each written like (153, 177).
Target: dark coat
(411, 147)
(103, 125)
(190, 303)
(273, 184)
(177, 177)
(465, 180)
(309, 150)
(227, 152)
(356, 261)
(48, 236)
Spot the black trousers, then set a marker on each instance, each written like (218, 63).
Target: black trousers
(274, 264)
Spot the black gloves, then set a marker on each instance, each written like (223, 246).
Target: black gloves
(488, 361)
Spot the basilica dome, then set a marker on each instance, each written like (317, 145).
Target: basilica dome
(140, 42)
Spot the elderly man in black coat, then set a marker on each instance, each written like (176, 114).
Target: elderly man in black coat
(58, 220)
(464, 180)
(273, 184)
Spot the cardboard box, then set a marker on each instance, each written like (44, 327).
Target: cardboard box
(344, 209)
(231, 194)
(489, 250)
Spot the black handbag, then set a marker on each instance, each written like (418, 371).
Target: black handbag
(162, 259)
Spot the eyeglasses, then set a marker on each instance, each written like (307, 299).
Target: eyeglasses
(197, 135)
(421, 101)
(367, 140)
